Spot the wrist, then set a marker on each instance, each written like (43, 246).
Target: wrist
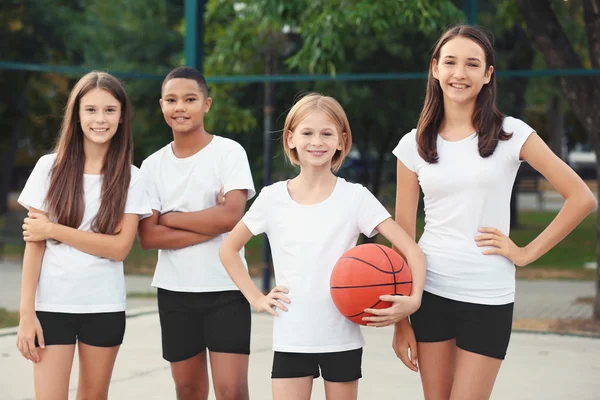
(50, 230)
(27, 313)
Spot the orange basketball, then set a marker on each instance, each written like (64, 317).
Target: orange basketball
(364, 273)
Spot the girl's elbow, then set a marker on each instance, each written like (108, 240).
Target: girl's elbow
(591, 204)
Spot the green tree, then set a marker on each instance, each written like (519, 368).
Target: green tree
(562, 49)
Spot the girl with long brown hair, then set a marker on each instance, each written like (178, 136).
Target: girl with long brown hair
(85, 201)
(464, 154)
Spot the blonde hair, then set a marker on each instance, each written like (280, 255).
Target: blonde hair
(314, 102)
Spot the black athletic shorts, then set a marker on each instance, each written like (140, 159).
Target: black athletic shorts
(192, 322)
(94, 329)
(478, 328)
(343, 366)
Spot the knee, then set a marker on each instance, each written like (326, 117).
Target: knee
(191, 391)
(231, 392)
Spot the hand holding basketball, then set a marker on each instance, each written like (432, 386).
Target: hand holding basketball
(272, 300)
(402, 307)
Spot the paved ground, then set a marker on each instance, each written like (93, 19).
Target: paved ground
(547, 367)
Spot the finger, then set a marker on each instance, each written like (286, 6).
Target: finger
(393, 298)
(281, 289)
(375, 311)
(33, 351)
(25, 226)
(275, 303)
(406, 360)
(487, 229)
(282, 297)
(492, 251)
(25, 349)
(40, 336)
(495, 243)
(381, 324)
(412, 344)
(271, 310)
(486, 236)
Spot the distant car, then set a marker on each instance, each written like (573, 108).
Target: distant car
(582, 159)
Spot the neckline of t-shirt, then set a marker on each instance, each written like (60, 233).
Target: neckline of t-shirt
(471, 136)
(290, 198)
(193, 156)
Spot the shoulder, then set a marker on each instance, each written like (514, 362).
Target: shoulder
(409, 140)
(355, 190)
(47, 160)
(274, 188)
(516, 126)
(228, 145)
(45, 163)
(136, 174)
(155, 157)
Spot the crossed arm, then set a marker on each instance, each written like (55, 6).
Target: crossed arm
(176, 230)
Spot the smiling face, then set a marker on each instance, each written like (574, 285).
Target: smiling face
(315, 140)
(183, 105)
(461, 70)
(99, 116)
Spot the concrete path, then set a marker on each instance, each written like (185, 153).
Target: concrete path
(547, 367)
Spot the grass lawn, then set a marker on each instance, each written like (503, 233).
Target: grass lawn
(8, 319)
(567, 258)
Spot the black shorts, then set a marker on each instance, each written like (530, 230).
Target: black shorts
(478, 328)
(192, 322)
(94, 329)
(343, 366)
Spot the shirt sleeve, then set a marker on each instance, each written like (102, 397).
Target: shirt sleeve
(520, 133)
(137, 198)
(151, 189)
(235, 171)
(370, 212)
(406, 149)
(36, 188)
(256, 217)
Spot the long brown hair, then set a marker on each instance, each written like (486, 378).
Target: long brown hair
(486, 119)
(65, 195)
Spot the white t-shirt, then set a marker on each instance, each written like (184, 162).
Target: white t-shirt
(306, 242)
(462, 193)
(72, 281)
(193, 184)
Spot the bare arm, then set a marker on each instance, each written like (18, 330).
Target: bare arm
(212, 221)
(29, 326)
(156, 236)
(579, 202)
(115, 247)
(230, 257)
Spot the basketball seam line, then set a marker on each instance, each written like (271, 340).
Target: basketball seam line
(368, 263)
(373, 285)
(391, 267)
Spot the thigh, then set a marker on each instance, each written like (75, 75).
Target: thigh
(343, 366)
(102, 329)
(294, 365)
(181, 325)
(436, 367)
(230, 375)
(484, 329)
(227, 322)
(191, 377)
(341, 390)
(58, 328)
(95, 370)
(435, 320)
(292, 388)
(475, 376)
(51, 374)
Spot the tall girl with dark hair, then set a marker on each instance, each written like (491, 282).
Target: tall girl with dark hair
(465, 154)
(85, 201)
